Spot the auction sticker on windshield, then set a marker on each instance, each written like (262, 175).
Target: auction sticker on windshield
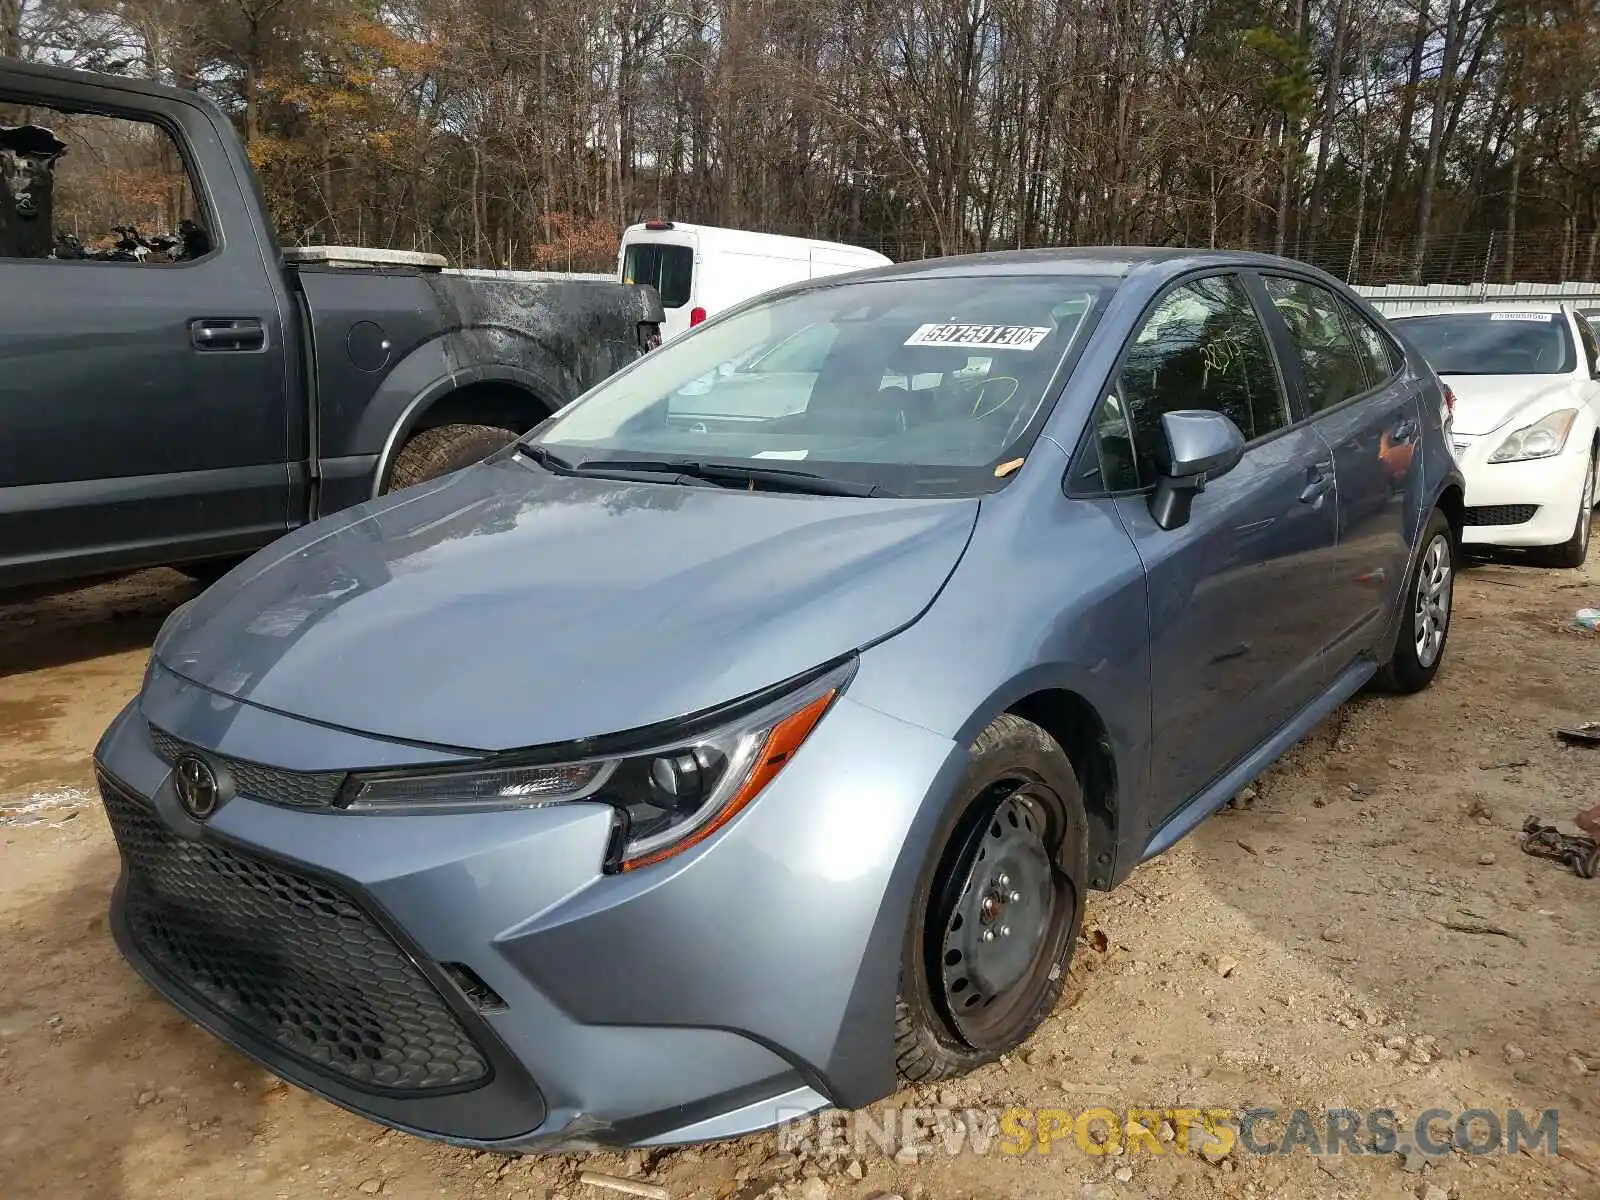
(1542, 317)
(990, 337)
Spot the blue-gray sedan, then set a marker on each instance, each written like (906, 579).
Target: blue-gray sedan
(747, 737)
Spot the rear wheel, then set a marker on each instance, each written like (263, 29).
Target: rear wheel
(1425, 622)
(996, 914)
(1575, 550)
(439, 451)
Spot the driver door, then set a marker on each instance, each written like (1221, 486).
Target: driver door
(1235, 595)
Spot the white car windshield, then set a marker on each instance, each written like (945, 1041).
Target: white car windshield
(921, 385)
(1493, 343)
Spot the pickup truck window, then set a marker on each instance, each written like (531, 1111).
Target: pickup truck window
(95, 188)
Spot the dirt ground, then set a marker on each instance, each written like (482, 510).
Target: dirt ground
(1294, 952)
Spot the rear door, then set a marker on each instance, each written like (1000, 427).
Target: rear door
(1236, 617)
(665, 260)
(1348, 374)
(143, 389)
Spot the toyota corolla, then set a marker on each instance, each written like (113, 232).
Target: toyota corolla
(697, 762)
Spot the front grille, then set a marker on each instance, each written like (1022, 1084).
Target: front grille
(293, 789)
(1500, 514)
(295, 960)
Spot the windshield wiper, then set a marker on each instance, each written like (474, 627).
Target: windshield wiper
(547, 459)
(607, 469)
(776, 478)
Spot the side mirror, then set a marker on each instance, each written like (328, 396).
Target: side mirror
(1199, 446)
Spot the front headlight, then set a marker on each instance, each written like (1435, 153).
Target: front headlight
(1545, 438)
(667, 797)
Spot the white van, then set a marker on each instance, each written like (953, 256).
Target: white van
(701, 269)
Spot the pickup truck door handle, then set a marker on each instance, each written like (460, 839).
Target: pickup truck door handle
(1319, 479)
(1405, 431)
(228, 333)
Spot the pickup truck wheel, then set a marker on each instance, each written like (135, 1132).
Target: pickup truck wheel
(996, 913)
(439, 451)
(1425, 620)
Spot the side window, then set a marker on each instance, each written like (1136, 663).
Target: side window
(1113, 467)
(94, 188)
(1202, 347)
(1591, 352)
(1377, 352)
(1332, 365)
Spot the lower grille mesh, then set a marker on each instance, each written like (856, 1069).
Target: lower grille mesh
(295, 960)
(1500, 514)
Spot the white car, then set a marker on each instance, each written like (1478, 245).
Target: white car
(1527, 407)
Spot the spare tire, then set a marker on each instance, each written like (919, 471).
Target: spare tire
(446, 448)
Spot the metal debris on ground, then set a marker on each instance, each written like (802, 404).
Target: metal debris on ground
(1582, 854)
(1583, 735)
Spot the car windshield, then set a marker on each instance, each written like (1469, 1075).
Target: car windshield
(1493, 343)
(919, 385)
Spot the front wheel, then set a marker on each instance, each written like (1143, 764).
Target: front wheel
(1425, 622)
(996, 913)
(1575, 550)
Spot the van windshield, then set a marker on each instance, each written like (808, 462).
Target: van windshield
(668, 269)
(922, 386)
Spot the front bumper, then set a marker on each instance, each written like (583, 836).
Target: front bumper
(747, 981)
(1520, 504)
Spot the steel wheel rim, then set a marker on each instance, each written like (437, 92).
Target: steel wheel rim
(1431, 611)
(1004, 908)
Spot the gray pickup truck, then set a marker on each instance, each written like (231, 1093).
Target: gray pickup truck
(186, 397)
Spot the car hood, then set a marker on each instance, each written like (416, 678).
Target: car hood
(1486, 402)
(503, 606)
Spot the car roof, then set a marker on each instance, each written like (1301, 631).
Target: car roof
(1115, 261)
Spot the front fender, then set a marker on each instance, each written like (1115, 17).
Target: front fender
(786, 928)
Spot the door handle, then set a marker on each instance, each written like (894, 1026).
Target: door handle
(1405, 431)
(1319, 479)
(228, 333)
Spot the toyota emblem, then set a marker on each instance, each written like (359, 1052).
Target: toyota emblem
(196, 785)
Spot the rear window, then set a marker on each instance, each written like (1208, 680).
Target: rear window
(1493, 343)
(668, 269)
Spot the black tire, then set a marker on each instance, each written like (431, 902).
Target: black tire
(1407, 671)
(1016, 769)
(1572, 553)
(447, 448)
(209, 570)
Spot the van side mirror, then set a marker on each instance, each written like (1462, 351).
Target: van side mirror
(1198, 446)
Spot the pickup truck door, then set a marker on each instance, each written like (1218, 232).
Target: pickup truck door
(145, 402)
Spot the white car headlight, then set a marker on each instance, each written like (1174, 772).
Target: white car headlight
(1545, 438)
(667, 797)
